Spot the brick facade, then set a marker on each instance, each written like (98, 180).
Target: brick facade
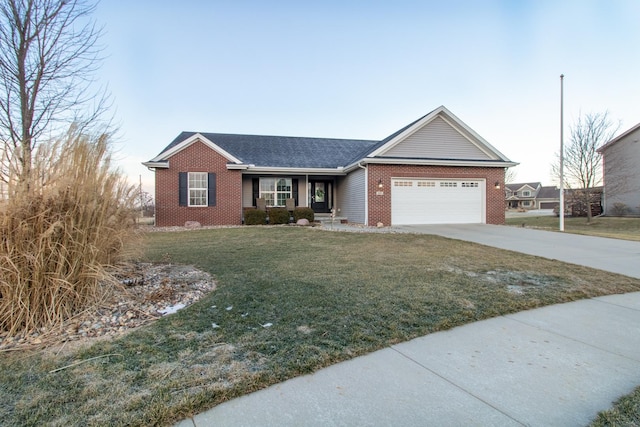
(198, 158)
(380, 205)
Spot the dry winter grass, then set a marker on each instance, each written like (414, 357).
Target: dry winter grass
(58, 236)
(289, 301)
(616, 228)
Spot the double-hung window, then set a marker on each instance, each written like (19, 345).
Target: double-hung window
(198, 189)
(276, 191)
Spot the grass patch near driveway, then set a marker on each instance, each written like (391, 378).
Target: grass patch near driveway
(625, 412)
(616, 228)
(289, 301)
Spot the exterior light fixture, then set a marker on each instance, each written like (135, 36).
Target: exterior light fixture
(497, 185)
(380, 183)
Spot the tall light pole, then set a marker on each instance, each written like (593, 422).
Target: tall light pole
(561, 212)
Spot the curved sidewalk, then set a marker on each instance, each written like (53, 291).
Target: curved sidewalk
(556, 365)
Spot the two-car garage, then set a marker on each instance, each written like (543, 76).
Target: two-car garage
(437, 201)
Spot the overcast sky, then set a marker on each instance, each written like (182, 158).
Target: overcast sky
(364, 69)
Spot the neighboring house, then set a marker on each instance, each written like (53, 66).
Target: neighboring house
(434, 170)
(531, 195)
(548, 197)
(621, 174)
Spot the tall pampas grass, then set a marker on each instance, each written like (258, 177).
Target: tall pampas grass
(59, 238)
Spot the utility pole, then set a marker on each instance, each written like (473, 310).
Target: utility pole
(141, 205)
(561, 212)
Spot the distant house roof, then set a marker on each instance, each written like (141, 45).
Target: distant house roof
(516, 187)
(548, 193)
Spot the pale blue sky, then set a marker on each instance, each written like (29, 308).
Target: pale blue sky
(364, 69)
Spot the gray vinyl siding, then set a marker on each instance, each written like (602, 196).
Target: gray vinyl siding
(351, 196)
(437, 140)
(622, 175)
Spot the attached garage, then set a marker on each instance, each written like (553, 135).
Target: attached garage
(437, 201)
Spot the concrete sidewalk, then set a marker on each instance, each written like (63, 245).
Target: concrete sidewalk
(554, 366)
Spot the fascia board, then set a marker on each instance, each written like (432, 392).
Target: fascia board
(156, 165)
(438, 162)
(294, 171)
(191, 140)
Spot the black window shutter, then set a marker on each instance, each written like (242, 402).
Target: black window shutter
(183, 188)
(256, 190)
(295, 191)
(211, 188)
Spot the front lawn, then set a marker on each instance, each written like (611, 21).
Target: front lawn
(617, 228)
(289, 301)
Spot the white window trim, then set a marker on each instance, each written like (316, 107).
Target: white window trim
(275, 192)
(205, 188)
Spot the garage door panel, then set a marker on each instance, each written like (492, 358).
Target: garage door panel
(416, 201)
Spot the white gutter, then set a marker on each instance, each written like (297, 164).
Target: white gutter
(251, 169)
(439, 162)
(366, 192)
(156, 165)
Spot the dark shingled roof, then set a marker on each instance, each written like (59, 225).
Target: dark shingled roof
(548, 193)
(286, 151)
(517, 186)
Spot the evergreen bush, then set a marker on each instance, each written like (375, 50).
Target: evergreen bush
(255, 217)
(306, 213)
(278, 216)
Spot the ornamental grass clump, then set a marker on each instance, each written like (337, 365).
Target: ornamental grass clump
(61, 233)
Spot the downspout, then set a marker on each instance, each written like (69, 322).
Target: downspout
(366, 193)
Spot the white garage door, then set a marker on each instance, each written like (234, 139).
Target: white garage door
(437, 201)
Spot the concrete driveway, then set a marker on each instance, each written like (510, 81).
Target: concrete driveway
(614, 255)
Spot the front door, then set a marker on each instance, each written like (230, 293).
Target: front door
(320, 193)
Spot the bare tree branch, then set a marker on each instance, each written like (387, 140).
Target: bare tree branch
(582, 162)
(49, 53)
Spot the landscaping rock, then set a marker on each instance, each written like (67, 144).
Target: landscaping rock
(302, 221)
(192, 224)
(161, 289)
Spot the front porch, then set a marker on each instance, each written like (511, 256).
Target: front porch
(295, 191)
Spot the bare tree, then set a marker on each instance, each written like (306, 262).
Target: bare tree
(509, 176)
(48, 55)
(582, 162)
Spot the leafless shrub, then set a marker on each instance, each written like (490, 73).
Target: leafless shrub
(620, 209)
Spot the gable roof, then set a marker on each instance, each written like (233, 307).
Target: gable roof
(433, 134)
(411, 144)
(618, 138)
(275, 151)
(517, 187)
